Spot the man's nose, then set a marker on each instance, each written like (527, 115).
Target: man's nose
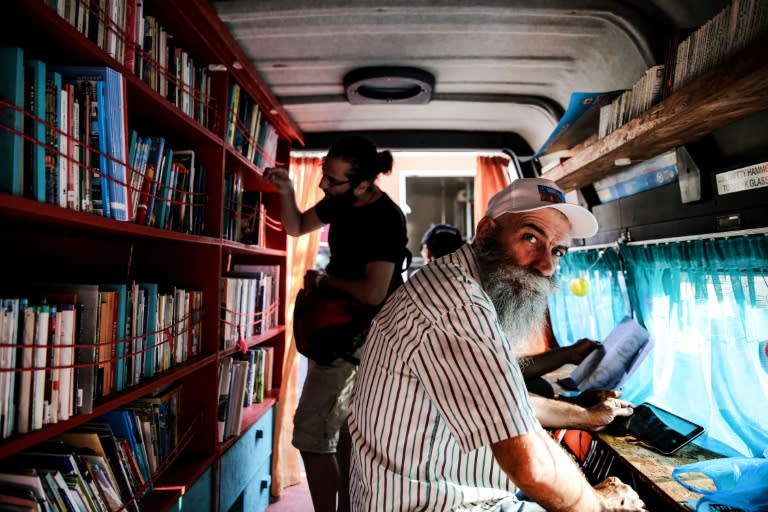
(545, 264)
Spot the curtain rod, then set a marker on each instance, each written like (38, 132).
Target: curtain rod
(723, 234)
(590, 247)
(705, 236)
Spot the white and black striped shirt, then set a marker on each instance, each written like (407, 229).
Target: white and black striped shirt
(437, 385)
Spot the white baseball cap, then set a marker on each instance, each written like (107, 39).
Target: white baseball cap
(527, 194)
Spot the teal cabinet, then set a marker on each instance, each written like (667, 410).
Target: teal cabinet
(244, 474)
(198, 497)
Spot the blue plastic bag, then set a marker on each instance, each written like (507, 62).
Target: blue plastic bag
(740, 482)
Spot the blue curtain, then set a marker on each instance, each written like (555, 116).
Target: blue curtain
(596, 313)
(705, 303)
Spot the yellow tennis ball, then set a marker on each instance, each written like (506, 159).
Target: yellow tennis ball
(580, 286)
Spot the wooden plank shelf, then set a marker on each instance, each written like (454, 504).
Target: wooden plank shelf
(731, 91)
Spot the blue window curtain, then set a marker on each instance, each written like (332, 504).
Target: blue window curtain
(706, 304)
(605, 304)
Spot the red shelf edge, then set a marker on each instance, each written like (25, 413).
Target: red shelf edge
(17, 444)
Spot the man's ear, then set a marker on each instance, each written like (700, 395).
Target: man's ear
(362, 187)
(485, 226)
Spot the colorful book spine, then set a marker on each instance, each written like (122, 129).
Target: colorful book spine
(12, 120)
(151, 324)
(34, 127)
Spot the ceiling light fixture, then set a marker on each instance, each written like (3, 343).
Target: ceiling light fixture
(389, 85)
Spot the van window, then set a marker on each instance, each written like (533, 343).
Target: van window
(705, 303)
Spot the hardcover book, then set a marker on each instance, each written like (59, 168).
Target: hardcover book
(12, 118)
(34, 128)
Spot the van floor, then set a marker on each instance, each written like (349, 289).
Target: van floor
(295, 498)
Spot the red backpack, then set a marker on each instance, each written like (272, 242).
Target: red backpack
(329, 324)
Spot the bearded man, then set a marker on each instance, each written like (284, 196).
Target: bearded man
(440, 416)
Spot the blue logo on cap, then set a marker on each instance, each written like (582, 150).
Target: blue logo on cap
(550, 195)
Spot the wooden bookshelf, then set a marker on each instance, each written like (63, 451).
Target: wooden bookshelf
(45, 243)
(731, 91)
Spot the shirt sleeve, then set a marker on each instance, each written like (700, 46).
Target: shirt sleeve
(324, 211)
(469, 370)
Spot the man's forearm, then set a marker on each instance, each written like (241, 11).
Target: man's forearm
(290, 214)
(543, 471)
(541, 364)
(558, 414)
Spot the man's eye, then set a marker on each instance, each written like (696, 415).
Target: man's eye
(559, 253)
(531, 238)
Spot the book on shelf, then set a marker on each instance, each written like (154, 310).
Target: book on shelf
(41, 336)
(67, 159)
(610, 365)
(259, 387)
(113, 128)
(269, 277)
(67, 313)
(12, 120)
(224, 381)
(26, 355)
(579, 121)
(148, 186)
(250, 378)
(150, 327)
(120, 312)
(107, 329)
(163, 404)
(10, 323)
(253, 224)
(269, 357)
(52, 136)
(125, 425)
(89, 94)
(237, 390)
(34, 128)
(112, 488)
(184, 162)
(55, 457)
(85, 297)
(32, 481)
(52, 370)
(100, 438)
(158, 210)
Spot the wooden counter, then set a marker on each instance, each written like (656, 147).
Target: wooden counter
(652, 471)
(647, 471)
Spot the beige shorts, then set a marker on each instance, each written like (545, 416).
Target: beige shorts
(323, 406)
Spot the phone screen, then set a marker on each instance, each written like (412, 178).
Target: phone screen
(662, 430)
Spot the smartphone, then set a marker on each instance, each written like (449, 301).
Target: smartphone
(662, 430)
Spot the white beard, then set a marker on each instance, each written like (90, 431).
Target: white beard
(519, 294)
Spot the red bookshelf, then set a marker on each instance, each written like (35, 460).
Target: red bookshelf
(47, 243)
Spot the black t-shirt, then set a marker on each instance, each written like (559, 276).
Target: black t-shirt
(360, 234)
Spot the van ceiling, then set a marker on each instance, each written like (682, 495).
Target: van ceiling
(499, 66)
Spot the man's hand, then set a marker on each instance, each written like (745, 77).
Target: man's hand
(312, 278)
(279, 178)
(618, 496)
(604, 412)
(581, 349)
(591, 397)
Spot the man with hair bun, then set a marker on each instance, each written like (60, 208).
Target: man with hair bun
(367, 240)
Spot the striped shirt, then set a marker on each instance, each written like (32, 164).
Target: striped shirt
(437, 385)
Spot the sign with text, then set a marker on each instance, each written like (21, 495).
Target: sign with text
(746, 178)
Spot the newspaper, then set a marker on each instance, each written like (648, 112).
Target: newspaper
(610, 365)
